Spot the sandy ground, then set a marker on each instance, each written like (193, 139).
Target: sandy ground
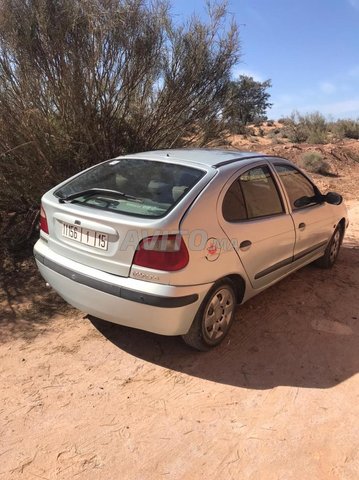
(81, 398)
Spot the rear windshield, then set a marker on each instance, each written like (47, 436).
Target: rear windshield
(150, 189)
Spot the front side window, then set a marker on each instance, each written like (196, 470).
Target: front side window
(295, 183)
(135, 187)
(252, 195)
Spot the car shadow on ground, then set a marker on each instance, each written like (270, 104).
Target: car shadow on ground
(302, 332)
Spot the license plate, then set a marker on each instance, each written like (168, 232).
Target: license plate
(85, 236)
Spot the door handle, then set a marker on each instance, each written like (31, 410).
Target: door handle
(301, 226)
(245, 244)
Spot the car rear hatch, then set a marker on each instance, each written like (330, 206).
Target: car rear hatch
(99, 217)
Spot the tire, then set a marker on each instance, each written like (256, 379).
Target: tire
(332, 250)
(214, 317)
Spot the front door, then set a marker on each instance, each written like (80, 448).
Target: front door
(314, 223)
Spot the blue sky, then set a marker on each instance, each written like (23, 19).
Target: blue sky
(308, 48)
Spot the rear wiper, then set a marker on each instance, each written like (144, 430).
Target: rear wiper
(97, 191)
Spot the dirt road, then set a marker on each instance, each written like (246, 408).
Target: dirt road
(85, 399)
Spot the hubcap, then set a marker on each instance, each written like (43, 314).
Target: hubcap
(218, 314)
(334, 247)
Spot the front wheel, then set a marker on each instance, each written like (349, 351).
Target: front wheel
(214, 317)
(332, 250)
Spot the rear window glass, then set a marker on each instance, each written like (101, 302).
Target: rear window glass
(132, 186)
(252, 195)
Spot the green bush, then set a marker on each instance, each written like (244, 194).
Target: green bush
(314, 162)
(246, 102)
(310, 128)
(346, 129)
(294, 129)
(316, 137)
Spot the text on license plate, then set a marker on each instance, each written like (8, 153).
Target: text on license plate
(85, 236)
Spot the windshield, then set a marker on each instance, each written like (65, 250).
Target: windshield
(132, 186)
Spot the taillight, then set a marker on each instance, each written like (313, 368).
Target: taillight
(162, 252)
(43, 221)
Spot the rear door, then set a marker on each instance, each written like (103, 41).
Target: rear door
(314, 224)
(254, 217)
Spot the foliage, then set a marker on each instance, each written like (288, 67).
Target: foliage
(314, 162)
(346, 128)
(84, 81)
(310, 128)
(314, 128)
(247, 101)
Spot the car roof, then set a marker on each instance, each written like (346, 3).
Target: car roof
(208, 157)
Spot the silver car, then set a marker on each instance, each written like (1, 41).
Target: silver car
(171, 241)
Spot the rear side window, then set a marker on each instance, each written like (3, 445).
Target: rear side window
(295, 183)
(254, 194)
(234, 208)
(135, 187)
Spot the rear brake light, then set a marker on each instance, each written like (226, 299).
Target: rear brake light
(162, 252)
(43, 221)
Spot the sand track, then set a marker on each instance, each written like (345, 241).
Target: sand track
(81, 398)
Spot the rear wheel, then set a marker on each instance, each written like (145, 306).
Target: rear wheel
(214, 317)
(332, 250)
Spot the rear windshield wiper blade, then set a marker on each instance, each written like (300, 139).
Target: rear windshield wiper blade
(97, 191)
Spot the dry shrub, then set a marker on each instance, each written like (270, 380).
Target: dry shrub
(84, 81)
(346, 128)
(314, 162)
(310, 128)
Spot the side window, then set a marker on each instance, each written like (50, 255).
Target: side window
(234, 208)
(252, 195)
(295, 183)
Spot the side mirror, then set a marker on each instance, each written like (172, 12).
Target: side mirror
(303, 202)
(333, 198)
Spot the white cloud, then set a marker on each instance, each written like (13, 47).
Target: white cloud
(239, 70)
(347, 108)
(354, 3)
(327, 87)
(338, 109)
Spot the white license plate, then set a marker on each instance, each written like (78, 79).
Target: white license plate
(85, 236)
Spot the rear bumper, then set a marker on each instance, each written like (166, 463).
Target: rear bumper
(163, 309)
